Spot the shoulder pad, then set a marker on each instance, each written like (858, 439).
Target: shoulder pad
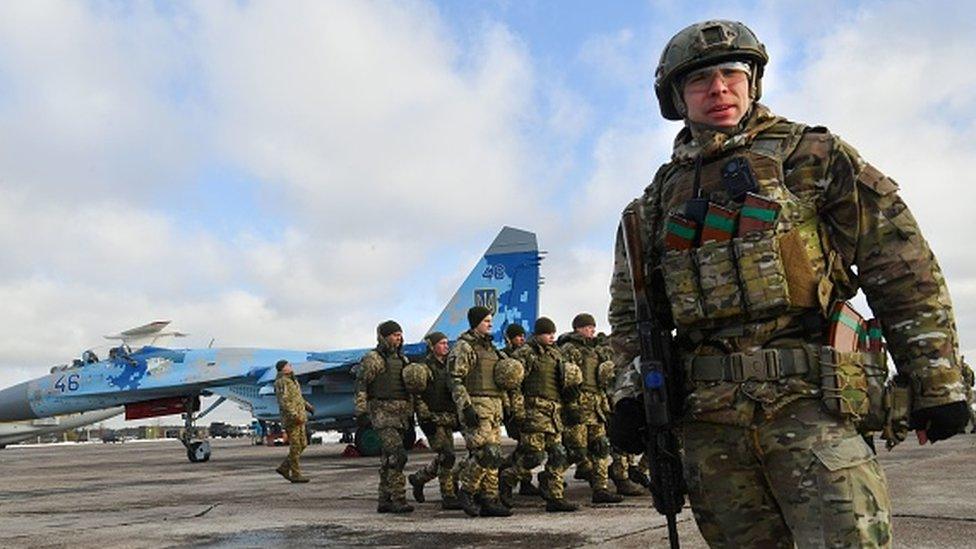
(878, 182)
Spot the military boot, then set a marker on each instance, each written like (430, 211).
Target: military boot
(606, 496)
(494, 508)
(505, 491)
(544, 478)
(383, 506)
(638, 476)
(399, 506)
(526, 488)
(627, 488)
(467, 503)
(298, 478)
(284, 470)
(418, 487)
(560, 506)
(450, 503)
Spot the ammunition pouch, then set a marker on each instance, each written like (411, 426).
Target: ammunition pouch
(853, 386)
(557, 456)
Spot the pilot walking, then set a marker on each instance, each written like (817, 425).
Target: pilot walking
(381, 393)
(294, 414)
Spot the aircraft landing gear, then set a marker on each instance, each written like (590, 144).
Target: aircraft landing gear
(197, 451)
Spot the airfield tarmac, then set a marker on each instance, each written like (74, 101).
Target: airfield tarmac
(146, 494)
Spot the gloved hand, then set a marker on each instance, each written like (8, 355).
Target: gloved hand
(362, 420)
(628, 426)
(571, 393)
(940, 422)
(471, 418)
(514, 426)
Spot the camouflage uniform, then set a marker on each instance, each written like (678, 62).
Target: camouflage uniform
(471, 365)
(438, 419)
(749, 438)
(586, 439)
(381, 394)
(540, 438)
(292, 406)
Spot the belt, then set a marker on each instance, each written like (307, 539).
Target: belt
(761, 365)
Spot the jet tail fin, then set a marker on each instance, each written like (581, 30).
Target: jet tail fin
(506, 280)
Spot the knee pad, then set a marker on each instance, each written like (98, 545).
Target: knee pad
(600, 447)
(575, 454)
(531, 460)
(447, 459)
(396, 459)
(490, 456)
(558, 457)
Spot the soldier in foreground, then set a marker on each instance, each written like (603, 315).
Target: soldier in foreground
(381, 394)
(294, 414)
(752, 235)
(437, 417)
(586, 435)
(540, 426)
(478, 401)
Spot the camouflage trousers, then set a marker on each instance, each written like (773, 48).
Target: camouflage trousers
(588, 447)
(534, 449)
(802, 477)
(441, 440)
(297, 442)
(391, 419)
(479, 474)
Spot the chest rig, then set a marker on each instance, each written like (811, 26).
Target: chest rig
(772, 262)
(388, 385)
(437, 395)
(480, 380)
(541, 380)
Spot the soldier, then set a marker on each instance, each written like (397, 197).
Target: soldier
(294, 410)
(478, 400)
(586, 435)
(769, 458)
(540, 428)
(381, 394)
(438, 420)
(515, 338)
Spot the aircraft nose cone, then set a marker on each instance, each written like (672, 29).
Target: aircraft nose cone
(14, 405)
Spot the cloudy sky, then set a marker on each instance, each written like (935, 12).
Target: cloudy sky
(289, 174)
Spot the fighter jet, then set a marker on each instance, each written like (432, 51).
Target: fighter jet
(155, 381)
(19, 431)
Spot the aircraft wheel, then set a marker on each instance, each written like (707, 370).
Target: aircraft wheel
(199, 452)
(367, 441)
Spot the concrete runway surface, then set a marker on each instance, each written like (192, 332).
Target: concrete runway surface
(146, 494)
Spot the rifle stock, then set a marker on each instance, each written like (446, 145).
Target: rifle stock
(661, 387)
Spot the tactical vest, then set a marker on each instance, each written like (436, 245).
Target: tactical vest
(437, 396)
(780, 269)
(480, 380)
(590, 365)
(541, 381)
(388, 385)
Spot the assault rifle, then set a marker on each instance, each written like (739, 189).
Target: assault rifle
(660, 379)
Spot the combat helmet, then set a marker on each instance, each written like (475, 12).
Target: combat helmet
(700, 45)
(509, 374)
(415, 377)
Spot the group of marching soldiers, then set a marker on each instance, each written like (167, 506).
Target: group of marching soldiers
(550, 395)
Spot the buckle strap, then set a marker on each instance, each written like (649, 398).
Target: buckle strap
(761, 365)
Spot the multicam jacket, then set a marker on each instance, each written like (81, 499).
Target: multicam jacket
(856, 233)
(291, 403)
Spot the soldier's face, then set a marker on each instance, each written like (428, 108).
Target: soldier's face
(547, 339)
(518, 341)
(287, 370)
(588, 332)
(484, 328)
(395, 339)
(718, 97)
(441, 349)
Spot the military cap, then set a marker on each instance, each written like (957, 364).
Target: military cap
(583, 319)
(514, 330)
(434, 338)
(544, 326)
(388, 327)
(476, 314)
